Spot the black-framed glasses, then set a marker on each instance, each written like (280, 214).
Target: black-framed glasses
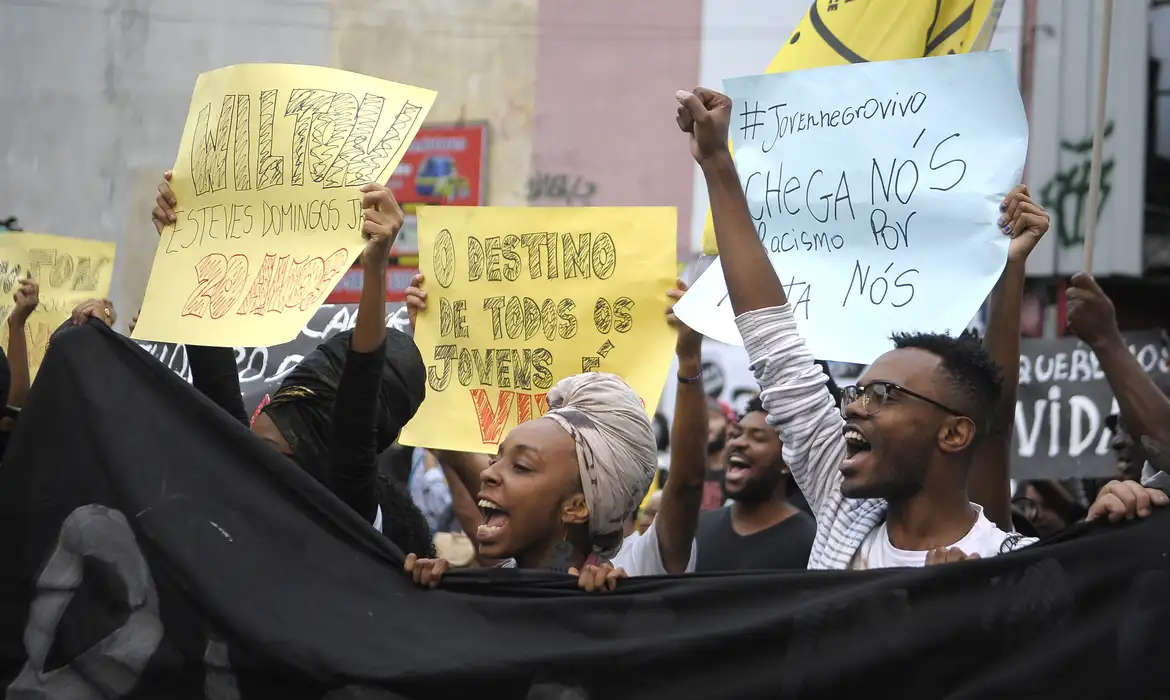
(873, 397)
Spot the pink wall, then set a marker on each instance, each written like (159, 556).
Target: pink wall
(604, 131)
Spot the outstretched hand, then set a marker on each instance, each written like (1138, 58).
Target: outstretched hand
(705, 115)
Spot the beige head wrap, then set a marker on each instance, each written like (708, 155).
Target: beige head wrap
(616, 451)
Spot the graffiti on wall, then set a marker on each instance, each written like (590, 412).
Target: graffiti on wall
(1066, 193)
(560, 188)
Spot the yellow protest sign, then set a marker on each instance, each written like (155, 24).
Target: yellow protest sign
(68, 270)
(269, 212)
(519, 298)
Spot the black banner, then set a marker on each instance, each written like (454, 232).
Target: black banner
(262, 370)
(1062, 404)
(185, 559)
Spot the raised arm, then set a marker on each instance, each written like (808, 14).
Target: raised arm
(26, 299)
(704, 114)
(1092, 317)
(793, 386)
(678, 514)
(354, 447)
(989, 484)
(213, 370)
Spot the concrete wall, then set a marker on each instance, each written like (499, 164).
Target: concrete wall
(95, 96)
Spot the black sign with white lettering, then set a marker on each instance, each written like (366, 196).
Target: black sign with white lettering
(262, 370)
(1062, 405)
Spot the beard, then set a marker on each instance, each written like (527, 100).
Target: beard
(894, 478)
(758, 488)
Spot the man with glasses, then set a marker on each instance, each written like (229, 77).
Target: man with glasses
(886, 471)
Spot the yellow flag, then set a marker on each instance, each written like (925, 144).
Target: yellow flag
(68, 270)
(519, 298)
(268, 207)
(838, 32)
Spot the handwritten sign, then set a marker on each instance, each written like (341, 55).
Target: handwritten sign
(69, 271)
(269, 213)
(521, 298)
(1063, 401)
(875, 189)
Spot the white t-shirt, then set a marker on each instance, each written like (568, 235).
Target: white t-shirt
(984, 539)
(639, 555)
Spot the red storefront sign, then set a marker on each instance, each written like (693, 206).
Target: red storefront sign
(444, 165)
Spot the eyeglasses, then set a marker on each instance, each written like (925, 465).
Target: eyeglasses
(873, 397)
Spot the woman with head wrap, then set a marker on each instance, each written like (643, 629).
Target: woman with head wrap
(559, 490)
(347, 400)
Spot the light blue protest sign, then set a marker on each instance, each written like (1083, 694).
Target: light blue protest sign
(875, 189)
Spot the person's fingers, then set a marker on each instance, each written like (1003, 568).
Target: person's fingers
(954, 554)
(1107, 505)
(974, 556)
(1140, 496)
(166, 202)
(682, 285)
(573, 571)
(411, 559)
(168, 175)
(600, 574)
(686, 123)
(675, 294)
(1128, 497)
(936, 555)
(417, 280)
(1158, 497)
(1083, 280)
(612, 577)
(693, 105)
(1035, 224)
(437, 572)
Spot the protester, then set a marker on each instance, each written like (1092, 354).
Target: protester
(1144, 408)
(760, 529)
(346, 401)
(562, 487)
(889, 487)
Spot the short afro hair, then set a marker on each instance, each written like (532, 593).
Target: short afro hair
(968, 367)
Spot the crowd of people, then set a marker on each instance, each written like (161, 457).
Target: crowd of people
(907, 468)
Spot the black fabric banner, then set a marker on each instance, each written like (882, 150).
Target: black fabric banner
(1062, 404)
(183, 558)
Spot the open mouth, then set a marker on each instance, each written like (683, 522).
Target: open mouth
(857, 447)
(738, 469)
(494, 519)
